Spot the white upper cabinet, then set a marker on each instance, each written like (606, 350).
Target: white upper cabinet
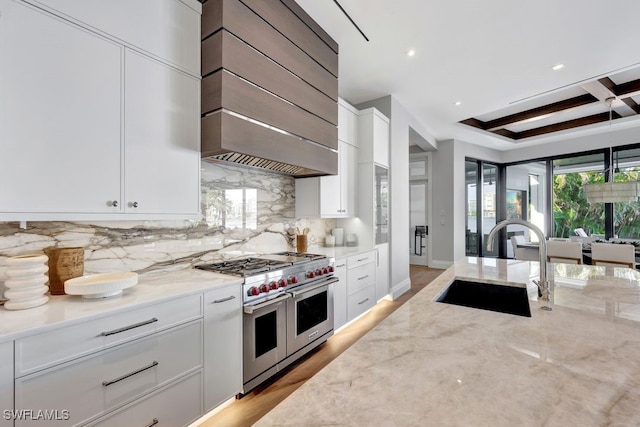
(332, 196)
(161, 137)
(144, 24)
(347, 122)
(60, 148)
(373, 136)
(91, 129)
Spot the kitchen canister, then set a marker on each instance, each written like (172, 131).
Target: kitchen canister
(339, 235)
(26, 283)
(64, 264)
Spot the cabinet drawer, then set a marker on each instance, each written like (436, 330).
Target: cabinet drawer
(175, 405)
(95, 384)
(360, 259)
(360, 302)
(360, 277)
(50, 348)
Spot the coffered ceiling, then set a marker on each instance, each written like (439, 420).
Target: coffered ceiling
(482, 70)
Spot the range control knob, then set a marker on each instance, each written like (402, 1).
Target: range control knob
(273, 285)
(282, 283)
(330, 268)
(325, 270)
(264, 288)
(311, 274)
(253, 291)
(319, 272)
(293, 279)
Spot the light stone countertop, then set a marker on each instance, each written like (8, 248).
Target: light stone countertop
(65, 310)
(431, 363)
(338, 251)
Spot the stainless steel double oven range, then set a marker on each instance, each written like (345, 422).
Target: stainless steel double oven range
(288, 309)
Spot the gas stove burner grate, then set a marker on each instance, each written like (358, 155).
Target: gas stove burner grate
(305, 255)
(244, 267)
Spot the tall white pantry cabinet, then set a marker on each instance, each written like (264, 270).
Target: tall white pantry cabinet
(97, 119)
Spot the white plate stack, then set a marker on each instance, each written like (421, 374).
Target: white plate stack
(26, 283)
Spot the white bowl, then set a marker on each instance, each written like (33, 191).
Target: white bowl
(100, 285)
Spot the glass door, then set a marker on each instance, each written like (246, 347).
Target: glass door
(481, 184)
(418, 219)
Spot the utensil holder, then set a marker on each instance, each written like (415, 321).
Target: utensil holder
(301, 243)
(64, 264)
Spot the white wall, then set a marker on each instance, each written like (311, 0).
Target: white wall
(400, 123)
(448, 197)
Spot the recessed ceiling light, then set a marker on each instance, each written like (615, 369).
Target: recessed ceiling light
(457, 103)
(411, 52)
(557, 67)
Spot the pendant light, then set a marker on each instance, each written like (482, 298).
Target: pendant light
(610, 191)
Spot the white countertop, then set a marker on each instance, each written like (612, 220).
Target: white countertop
(431, 363)
(65, 310)
(339, 251)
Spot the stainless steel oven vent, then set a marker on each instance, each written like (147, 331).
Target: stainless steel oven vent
(258, 162)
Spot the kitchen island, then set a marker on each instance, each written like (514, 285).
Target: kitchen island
(432, 363)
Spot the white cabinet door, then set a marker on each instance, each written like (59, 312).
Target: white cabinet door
(382, 271)
(373, 133)
(162, 138)
(60, 100)
(6, 381)
(381, 140)
(169, 29)
(338, 192)
(222, 345)
(340, 294)
(347, 122)
(331, 191)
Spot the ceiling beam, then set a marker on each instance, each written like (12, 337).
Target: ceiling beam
(569, 124)
(535, 113)
(604, 89)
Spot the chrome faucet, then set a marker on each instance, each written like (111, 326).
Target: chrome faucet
(544, 287)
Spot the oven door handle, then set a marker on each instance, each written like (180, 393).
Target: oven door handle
(250, 309)
(295, 293)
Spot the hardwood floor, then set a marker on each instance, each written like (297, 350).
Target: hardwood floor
(253, 406)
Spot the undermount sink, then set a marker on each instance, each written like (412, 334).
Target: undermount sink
(487, 296)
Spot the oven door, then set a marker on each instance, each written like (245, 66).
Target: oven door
(309, 314)
(264, 336)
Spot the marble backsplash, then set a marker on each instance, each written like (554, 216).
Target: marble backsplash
(245, 212)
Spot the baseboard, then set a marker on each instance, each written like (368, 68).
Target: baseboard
(400, 288)
(440, 264)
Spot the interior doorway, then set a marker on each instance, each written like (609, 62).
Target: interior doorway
(418, 209)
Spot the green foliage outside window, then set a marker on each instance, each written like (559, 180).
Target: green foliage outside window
(571, 209)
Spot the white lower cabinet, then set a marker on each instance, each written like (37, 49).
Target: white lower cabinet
(6, 382)
(340, 293)
(222, 345)
(361, 283)
(382, 271)
(93, 385)
(173, 405)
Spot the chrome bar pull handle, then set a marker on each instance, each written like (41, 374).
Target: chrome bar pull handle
(130, 374)
(126, 328)
(218, 301)
(153, 422)
(363, 301)
(363, 277)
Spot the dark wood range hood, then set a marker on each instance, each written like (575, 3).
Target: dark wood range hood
(269, 87)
